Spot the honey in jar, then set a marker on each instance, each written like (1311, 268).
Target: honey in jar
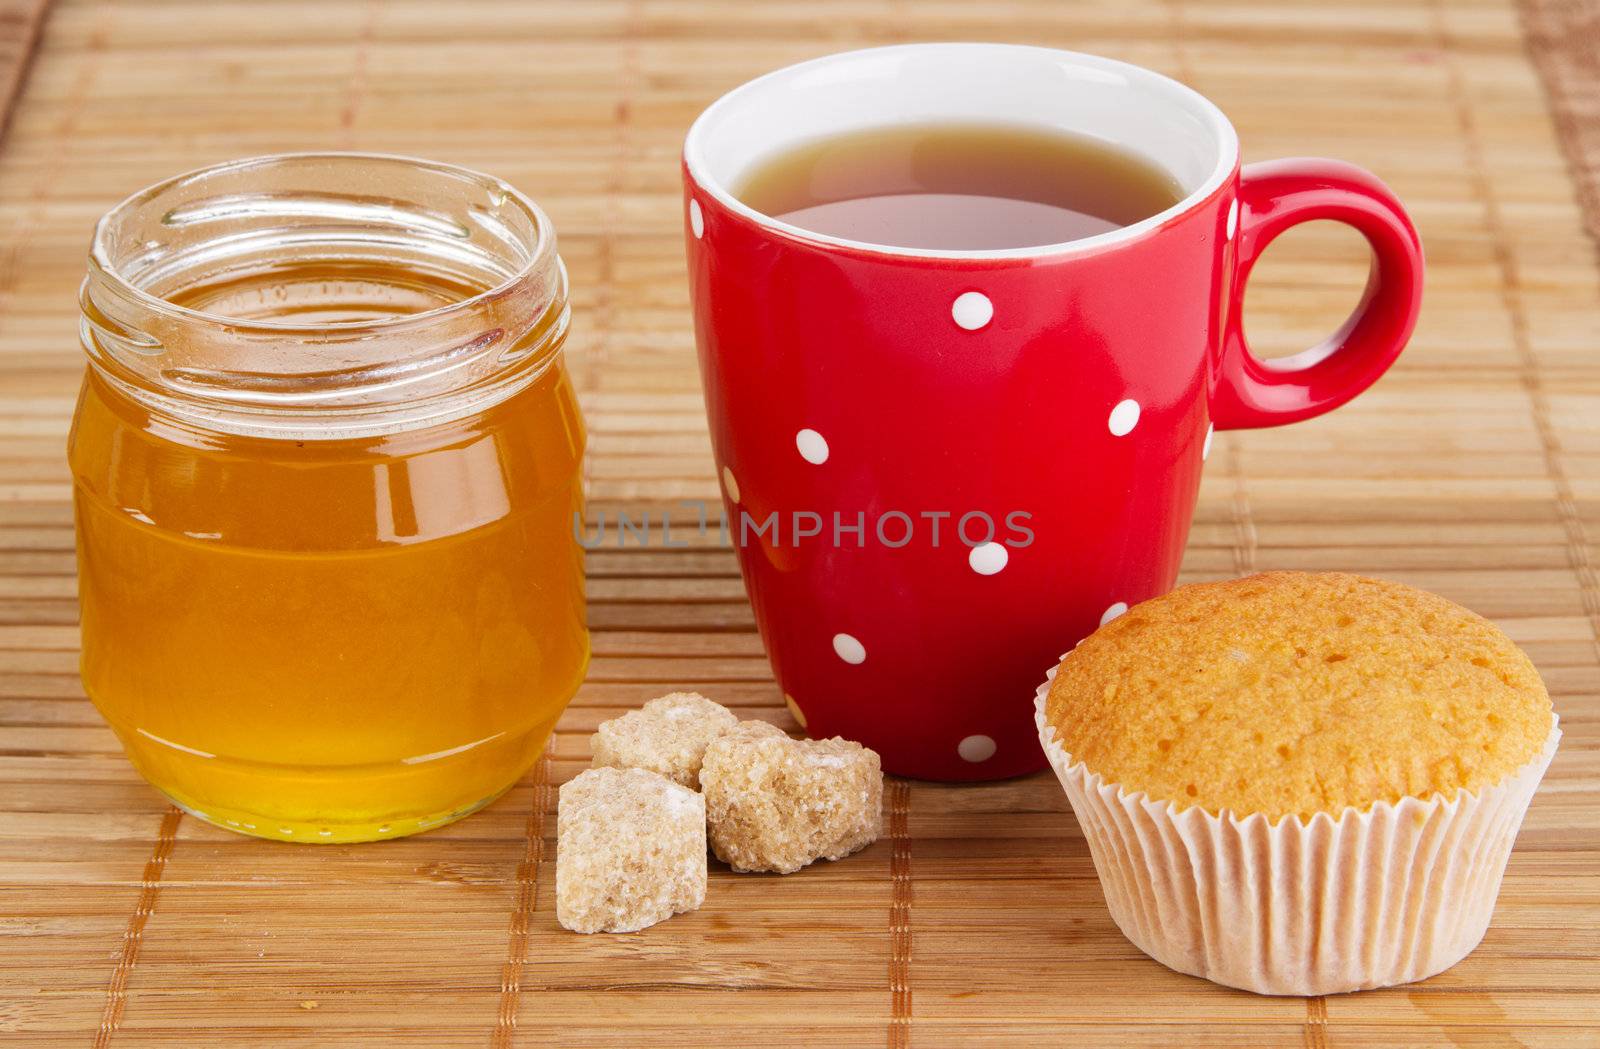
(326, 461)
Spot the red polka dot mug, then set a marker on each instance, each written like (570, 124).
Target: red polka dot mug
(943, 468)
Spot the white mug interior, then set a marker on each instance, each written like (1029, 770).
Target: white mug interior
(1127, 106)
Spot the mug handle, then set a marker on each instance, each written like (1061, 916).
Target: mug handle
(1273, 196)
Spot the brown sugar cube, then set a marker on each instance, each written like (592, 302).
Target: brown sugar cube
(630, 851)
(776, 804)
(667, 735)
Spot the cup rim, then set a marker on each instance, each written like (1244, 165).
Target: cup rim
(696, 162)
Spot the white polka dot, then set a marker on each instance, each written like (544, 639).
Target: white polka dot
(988, 558)
(731, 483)
(1113, 612)
(976, 749)
(1233, 218)
(813, 446)
(1124, 417)
(849, 649)
(697, 221)
(972, 310)
(1205, 449)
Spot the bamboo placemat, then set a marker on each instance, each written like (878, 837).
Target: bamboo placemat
(1473, 470)
(19, 33)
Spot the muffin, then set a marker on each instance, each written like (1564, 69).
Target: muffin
(1299, 783)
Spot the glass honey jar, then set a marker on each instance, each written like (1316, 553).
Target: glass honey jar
(326, 463)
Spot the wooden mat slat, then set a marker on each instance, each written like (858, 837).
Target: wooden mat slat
(1564, 43)
(20, 23)
(1472, 469)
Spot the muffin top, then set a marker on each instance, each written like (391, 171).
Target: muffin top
(1297, 693)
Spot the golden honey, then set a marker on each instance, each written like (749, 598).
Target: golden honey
(326, 475)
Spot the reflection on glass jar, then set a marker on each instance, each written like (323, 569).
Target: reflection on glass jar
(326, 461)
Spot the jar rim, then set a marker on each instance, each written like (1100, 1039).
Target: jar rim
(539, 255)
(499, 326)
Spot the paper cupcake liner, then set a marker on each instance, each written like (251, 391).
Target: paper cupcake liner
(1388, 895)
